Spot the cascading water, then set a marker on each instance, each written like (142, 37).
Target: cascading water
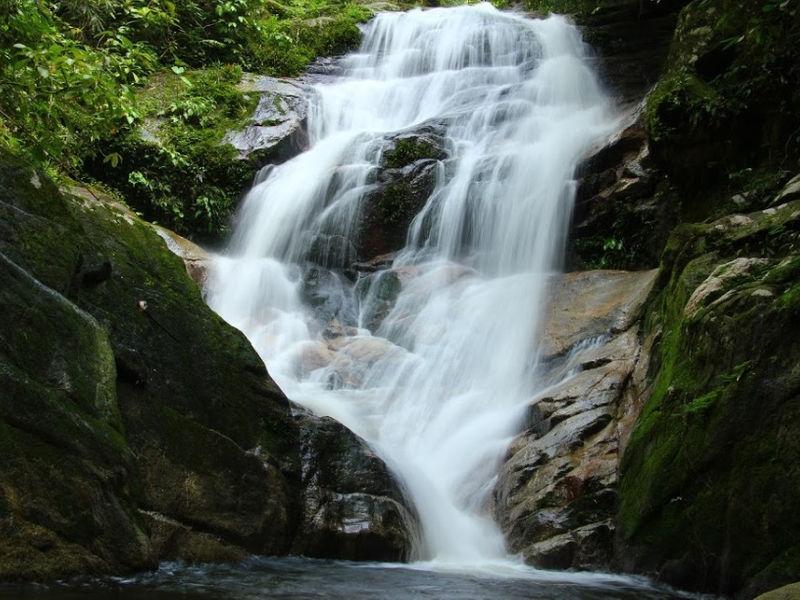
(438, 387)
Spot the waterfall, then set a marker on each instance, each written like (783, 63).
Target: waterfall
(439, 384)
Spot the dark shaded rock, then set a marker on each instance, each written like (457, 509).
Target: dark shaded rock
(624, 210)
(403, 186)
(631, 38)
(405, 149)
(352, 509)
(188, 424)
(332, 251)
(173, 540)
(378, 293)
(67, 477)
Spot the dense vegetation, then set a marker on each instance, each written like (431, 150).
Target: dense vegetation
(80, 79)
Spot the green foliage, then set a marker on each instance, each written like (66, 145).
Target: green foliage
(175, 169)
(101, 87)
(57, 93)
(286, 46)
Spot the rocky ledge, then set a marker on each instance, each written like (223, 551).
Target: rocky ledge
(557, 489)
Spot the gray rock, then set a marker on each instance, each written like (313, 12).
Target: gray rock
(791, 191)
(278, 127)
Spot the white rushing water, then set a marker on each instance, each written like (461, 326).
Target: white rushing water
(440, 386)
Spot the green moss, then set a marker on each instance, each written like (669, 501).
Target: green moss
(708, 469)
(723, 118)
(173, 356)
(289, 45)
(407, 151)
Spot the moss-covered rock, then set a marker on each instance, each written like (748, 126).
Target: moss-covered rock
(709, 478)
(168, 407)
(67, 477)
(402, 189)
(729, 100)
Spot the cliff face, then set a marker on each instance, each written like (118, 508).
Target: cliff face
(136, 425)
(701, 185)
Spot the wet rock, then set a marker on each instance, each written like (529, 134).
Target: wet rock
(356, 357)
(332, 252)
(329, 295)
(404, 184)
(379, 297)
(631, 39)
(590, 304)
(352, 509)
(622, 211)
(277, 130)
(556, 491)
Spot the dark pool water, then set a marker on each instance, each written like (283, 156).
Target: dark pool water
(298, 578)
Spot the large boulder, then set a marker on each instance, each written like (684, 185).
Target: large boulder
(352, 508)
(67, 478)
(556, 492)
(277, 129)
(141, 396)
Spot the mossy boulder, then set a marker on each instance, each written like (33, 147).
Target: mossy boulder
(163, 405)
(710, 476)
(405, 181)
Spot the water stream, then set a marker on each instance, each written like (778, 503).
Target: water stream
(438, 385)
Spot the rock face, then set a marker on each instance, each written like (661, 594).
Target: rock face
(557, 489)
(135, 424)
(66, 503)
(710, 473)
(623, 210)
(186, 400)
(631, 38)
(352, 509)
